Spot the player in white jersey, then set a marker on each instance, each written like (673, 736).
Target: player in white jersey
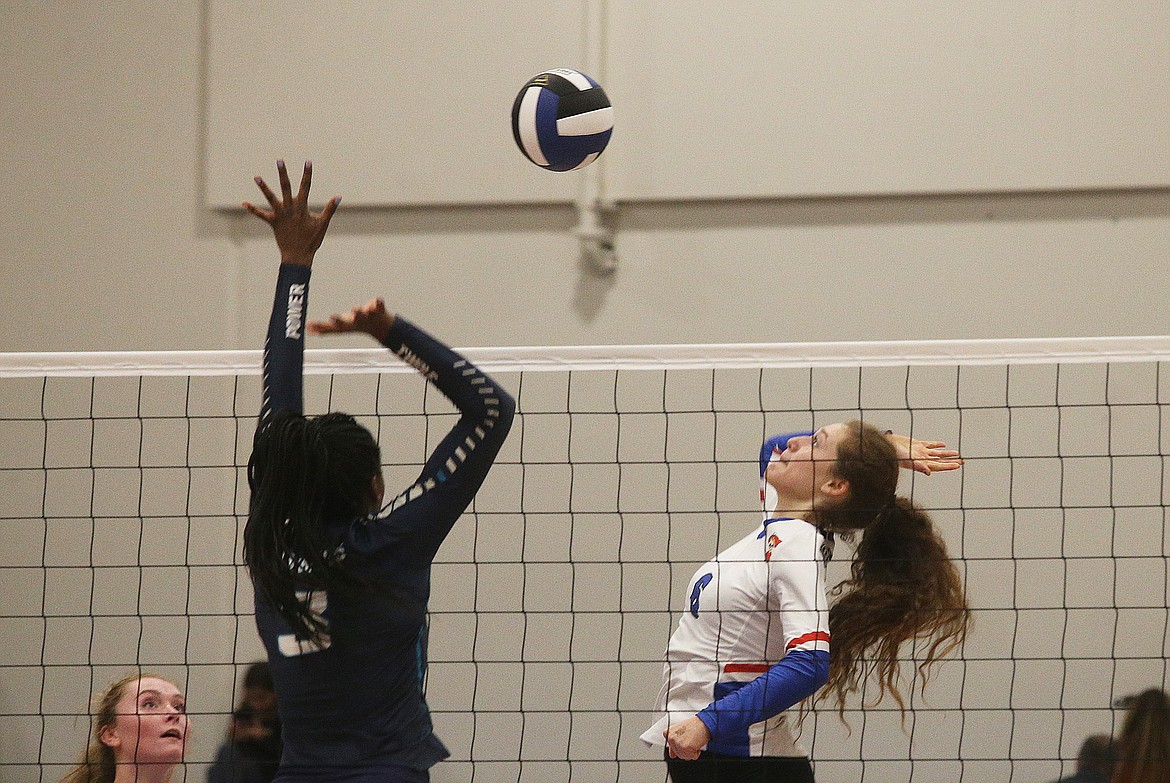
(754, 638)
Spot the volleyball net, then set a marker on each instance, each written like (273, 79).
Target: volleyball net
(123, 495)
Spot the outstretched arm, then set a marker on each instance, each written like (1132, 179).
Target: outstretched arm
(425, 512)
(924, 456)
(299, 234)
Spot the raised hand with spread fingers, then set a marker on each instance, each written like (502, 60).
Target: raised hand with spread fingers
(298, 231)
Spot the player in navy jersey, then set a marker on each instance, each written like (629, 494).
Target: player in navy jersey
(341, 577)
(759, 634)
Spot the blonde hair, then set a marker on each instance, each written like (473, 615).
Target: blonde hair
(98, 764)
(1144, 743)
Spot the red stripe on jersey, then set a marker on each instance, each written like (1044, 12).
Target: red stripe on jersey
(748, 668)
(815, 636)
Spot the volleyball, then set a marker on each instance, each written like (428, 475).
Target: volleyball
(561, 119)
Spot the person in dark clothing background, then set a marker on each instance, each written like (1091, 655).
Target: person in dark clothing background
(251, 753)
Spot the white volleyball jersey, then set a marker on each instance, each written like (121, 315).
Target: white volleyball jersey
(757, 601)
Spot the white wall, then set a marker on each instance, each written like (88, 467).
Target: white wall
(109, 245)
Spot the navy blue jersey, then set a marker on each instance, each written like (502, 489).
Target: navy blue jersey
(352, 707)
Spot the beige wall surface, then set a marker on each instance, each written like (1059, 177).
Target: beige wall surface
(109, 244)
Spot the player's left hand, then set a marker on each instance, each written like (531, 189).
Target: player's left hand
(685, 740)
(924, 456)
(370, 318)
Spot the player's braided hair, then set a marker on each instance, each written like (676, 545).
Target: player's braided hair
(305, 474)
(902, 587)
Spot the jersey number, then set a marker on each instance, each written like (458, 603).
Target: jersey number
(700, 584)
(290, 644)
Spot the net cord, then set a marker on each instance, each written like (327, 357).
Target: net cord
(1062, 350)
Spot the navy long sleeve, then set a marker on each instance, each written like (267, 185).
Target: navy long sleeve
(354, 706)
(457, 467)
(284, 346)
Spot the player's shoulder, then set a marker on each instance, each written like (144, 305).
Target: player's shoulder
(793, 538)
(794, 527)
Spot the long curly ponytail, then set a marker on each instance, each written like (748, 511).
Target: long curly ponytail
(305, 474)
(902, 585)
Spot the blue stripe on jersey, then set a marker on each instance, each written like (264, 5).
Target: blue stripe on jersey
(764, 530)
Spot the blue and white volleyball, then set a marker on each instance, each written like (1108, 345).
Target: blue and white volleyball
(562, 120)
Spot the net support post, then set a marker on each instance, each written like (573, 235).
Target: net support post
(593, 230)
